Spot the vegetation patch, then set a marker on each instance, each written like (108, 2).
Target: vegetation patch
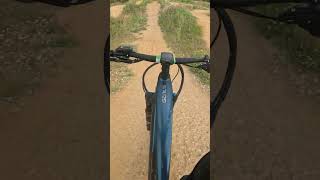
(296, 45)
(132, 20)
(184, 36)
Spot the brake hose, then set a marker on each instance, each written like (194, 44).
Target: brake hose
(107, 64)
(232, 39)
(181, 83)
(217, 34)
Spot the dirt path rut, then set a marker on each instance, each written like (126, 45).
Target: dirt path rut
(129, 137)
(203, 20)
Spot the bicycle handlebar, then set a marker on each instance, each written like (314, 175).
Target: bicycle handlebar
(191, 60)
(238, 3)
(145, 57)
(127, 52)
(151, 58)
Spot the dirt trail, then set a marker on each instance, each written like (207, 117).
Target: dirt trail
(204, 22)
(115, 11)
(129, 137)
(60, 132)
(265, 129)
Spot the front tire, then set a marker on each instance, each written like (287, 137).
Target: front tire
(201, 171)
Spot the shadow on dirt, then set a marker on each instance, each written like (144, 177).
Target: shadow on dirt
(61, 3)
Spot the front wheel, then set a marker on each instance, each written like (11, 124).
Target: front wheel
(201, 171)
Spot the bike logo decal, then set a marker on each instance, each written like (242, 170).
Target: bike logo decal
(164, 94)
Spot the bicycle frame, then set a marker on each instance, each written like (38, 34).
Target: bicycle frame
(161, 127)
(159, 104)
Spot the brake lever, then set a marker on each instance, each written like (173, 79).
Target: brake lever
(305, 16)
(123, 59)
(206, 64)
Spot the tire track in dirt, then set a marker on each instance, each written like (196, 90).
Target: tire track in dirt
(129, 136)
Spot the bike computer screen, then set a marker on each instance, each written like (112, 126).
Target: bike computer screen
(167, 57)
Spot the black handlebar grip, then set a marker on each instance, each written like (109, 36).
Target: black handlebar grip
(154, 58)
(188, 60)
(143, 56)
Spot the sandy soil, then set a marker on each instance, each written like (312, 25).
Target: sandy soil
(115, 11)
(129, 136)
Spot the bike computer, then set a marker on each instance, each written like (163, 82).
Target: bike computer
(167, 57)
